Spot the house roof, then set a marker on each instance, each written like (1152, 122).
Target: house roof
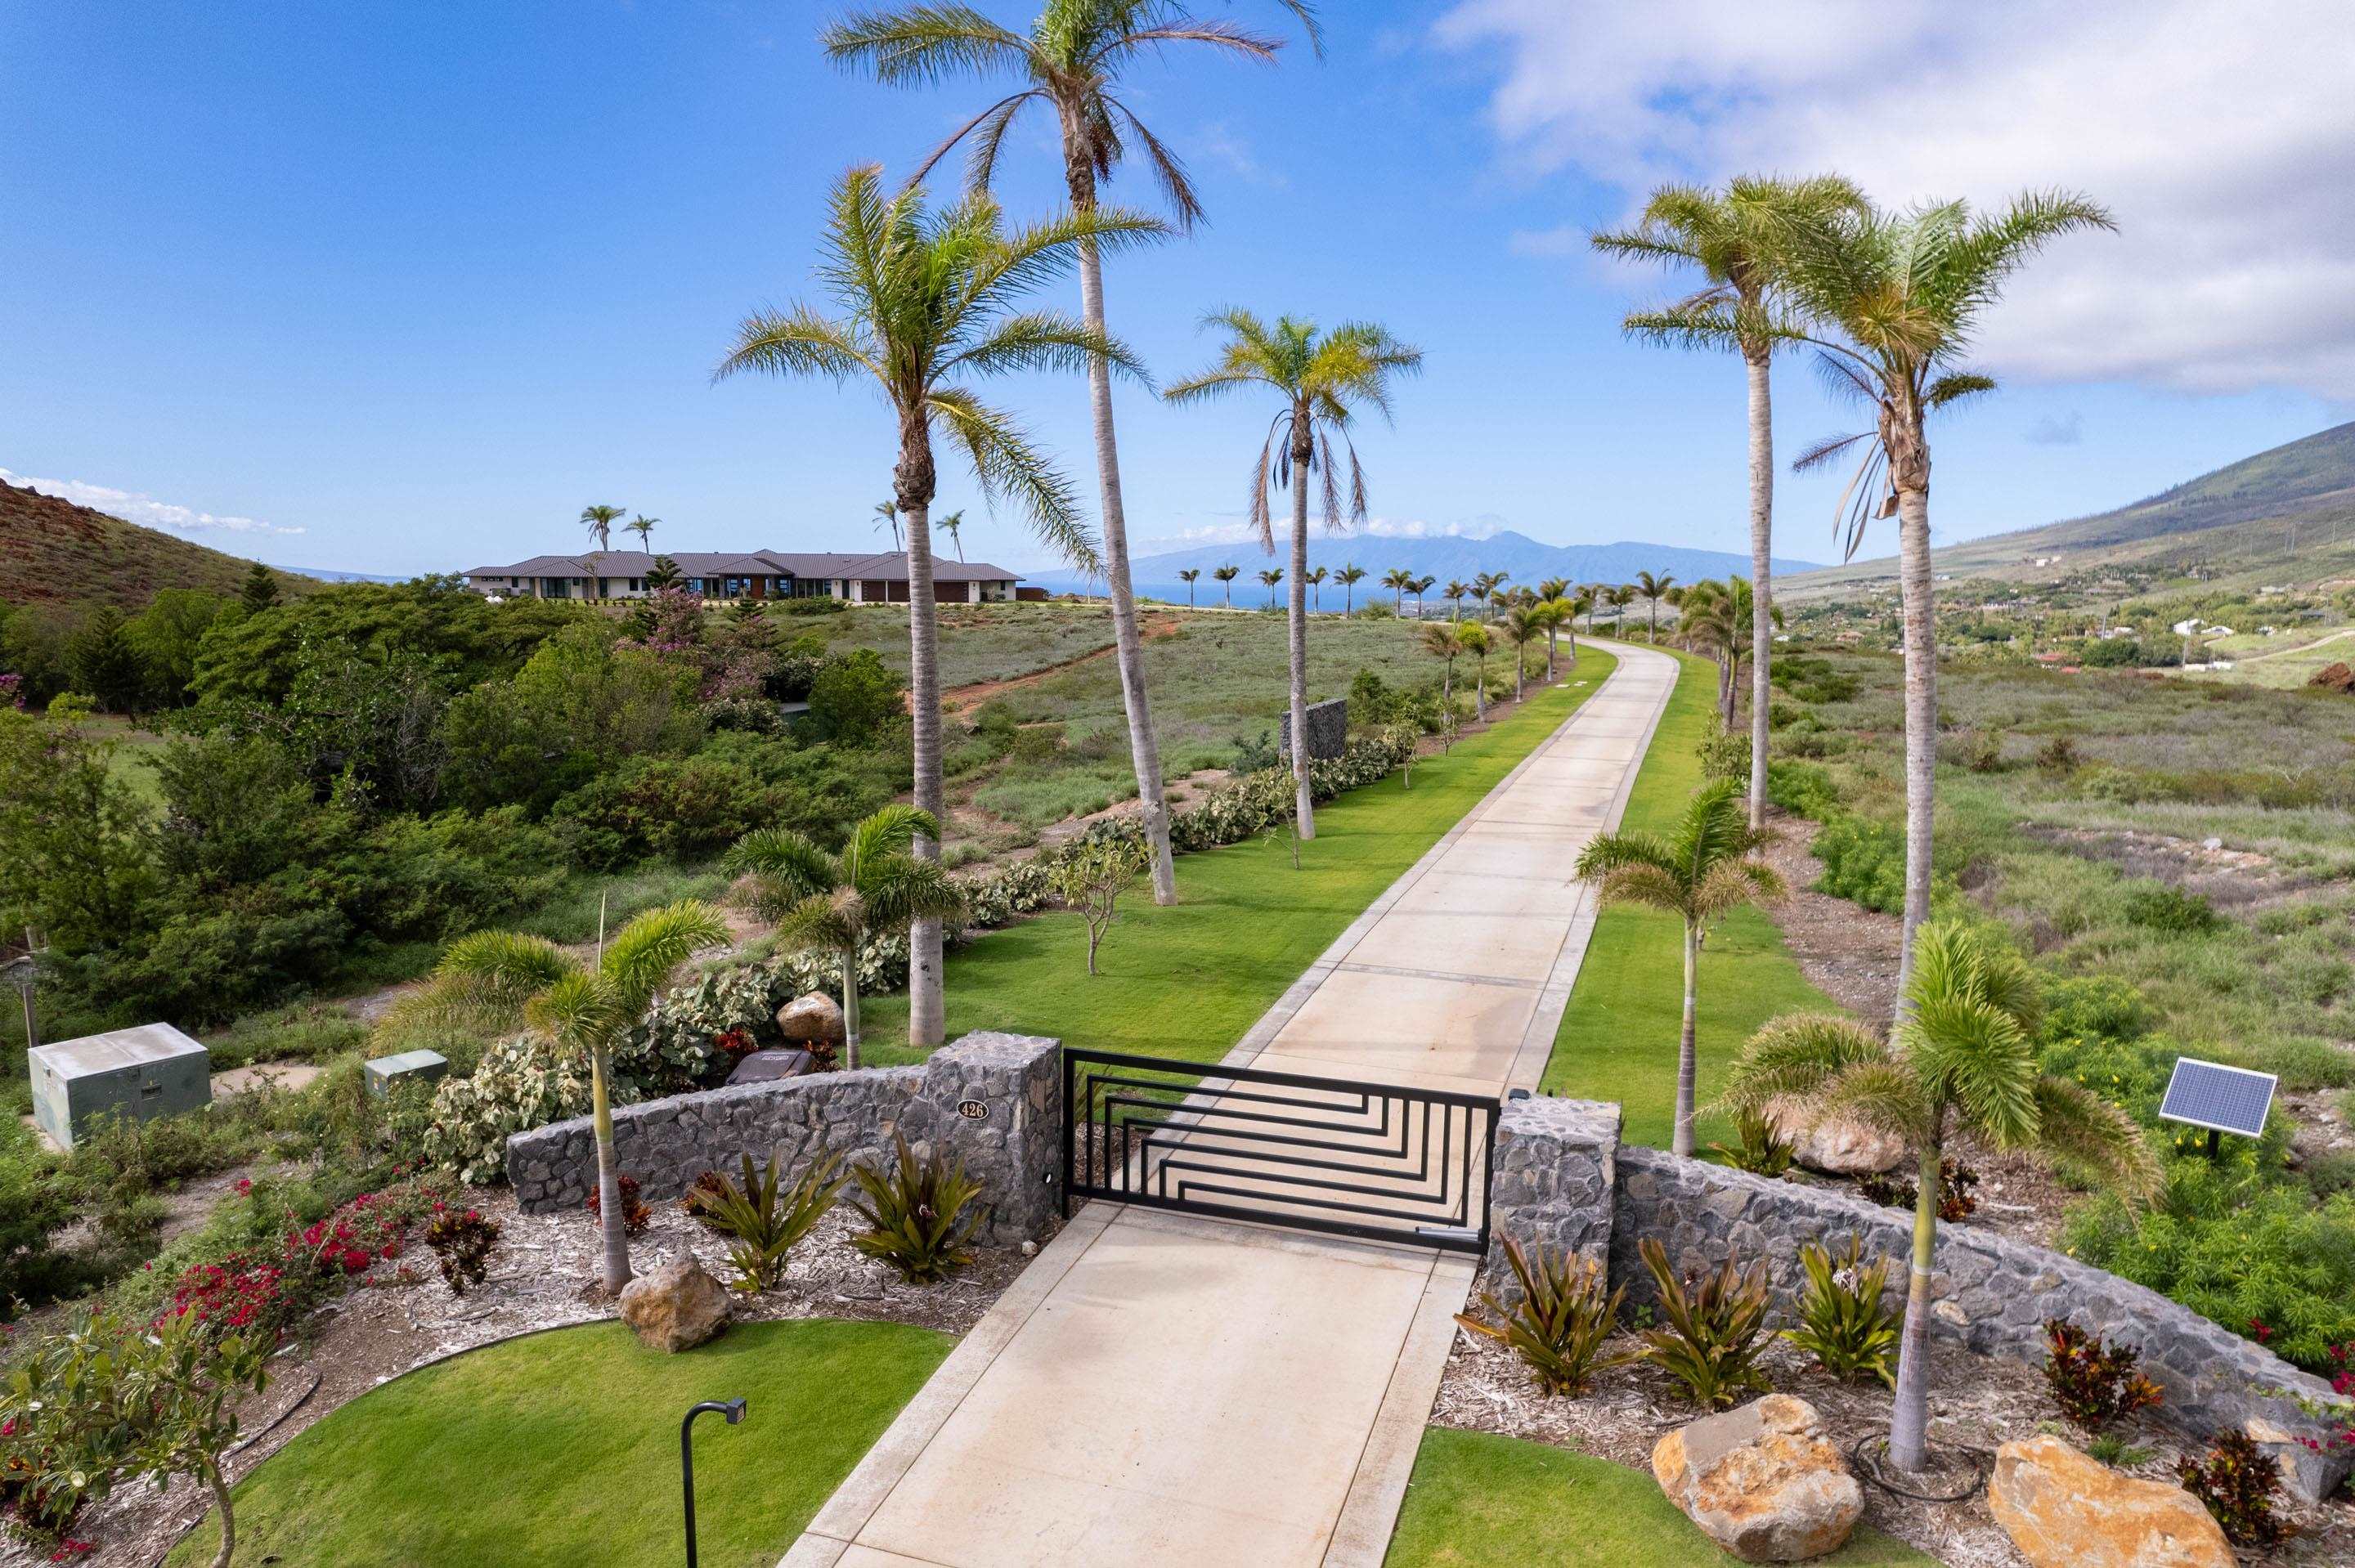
(889, 567)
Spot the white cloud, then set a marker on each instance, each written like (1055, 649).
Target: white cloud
(1222, 143)
(1194, 536)
(2219, 135)
(2057, 430)
(134, 507)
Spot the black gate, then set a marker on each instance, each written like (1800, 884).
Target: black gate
(1354, 1158)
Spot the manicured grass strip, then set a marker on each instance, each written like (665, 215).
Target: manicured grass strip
(1189, 980)
(563, 1450)
(1482, 1501)
(1618, 1038)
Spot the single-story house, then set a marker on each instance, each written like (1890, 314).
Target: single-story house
(762, 574)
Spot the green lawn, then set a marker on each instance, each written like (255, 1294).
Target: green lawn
(1477, 1500)
(563, 1450)
(1618, 1039)
(1189, 980)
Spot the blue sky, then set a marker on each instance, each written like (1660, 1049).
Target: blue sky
(420, 281)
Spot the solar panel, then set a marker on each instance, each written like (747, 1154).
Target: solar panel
(2220, 1098)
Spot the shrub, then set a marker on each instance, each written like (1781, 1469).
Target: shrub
(764, 1219)
(1762, 1152)
(462, 1241)
(1956, 1181)
(2154, 906)
(1725, 754)
(855, 700)
(2239, 1485)
(1713, 1329)
(518, 1086)
(915, 1214)
(1801, 788)
(636, 1212)
(34, 1205)
(1864, 862)
(1844, 1322)
(1563, 1318)
(2094, 1382)
(686, 1040)
(2057, 757)
(681, 808)
(1090, 877)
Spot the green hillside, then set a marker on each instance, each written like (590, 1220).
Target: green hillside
(52, 551)
(2284, 516)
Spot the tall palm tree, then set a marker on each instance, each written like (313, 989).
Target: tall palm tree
(1963, 1059)
(1484, 584)
(887, 516)
(1737, 240)
(1699, 871)
(498, 980)
(1349, 576)
(1562, 612)
(1398, 580)
(1418, 588)
(1473, 640)
(834, 903)
(1453, 593)
(1524, 624)
(1893, 300)
(1439, 639)
(599, 520)
(1324, 379)
(643, 526)
(1651, 587)
(1621, 598)
(928, 299)
(1582, 603)
(1069, 63)
(1316, 576)
(1189, 576)
(1270, 576)
(952, 525)
(1227, 575)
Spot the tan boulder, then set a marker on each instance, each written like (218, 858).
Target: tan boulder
(2066, 1509)
(815, 1018)
(675, 1308)
(1762, 1481)
(1837, 1146)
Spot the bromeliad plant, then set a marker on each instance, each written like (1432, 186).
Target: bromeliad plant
(825, 903)
(915, 1214)
(1843, 1322)
(763, 1218)
(1559, 1325)
(1712, 1327)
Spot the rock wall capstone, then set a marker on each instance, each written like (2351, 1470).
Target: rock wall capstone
(993, 1100)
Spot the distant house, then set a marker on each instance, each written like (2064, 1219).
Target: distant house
(719, 576)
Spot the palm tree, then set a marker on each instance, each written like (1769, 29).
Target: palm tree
(1070, 62)
(1418, 588)
(887, 514)
(1398, 580)
(1652, 587)
(1562, 612)
(928, 299)
(834, 904)
(1227, 574)
(952, 525)
(599, 520)
(1271, 576)
(1700, 870)
(1893, 300)
(1582, 603)
(1324, 379)
(1737, 239)
(1317, 576)
(1621, 598)
(498, 980)
(643, 526)
(1453, 593)
(1440, 640)
(1189, 576)
(1524, 624)
(1473, 640)
(1349, 576)
(1485, 584)
(1963, 1059)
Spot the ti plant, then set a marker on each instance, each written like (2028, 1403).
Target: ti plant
(1712, 1329)
(916, 1214)
(764, 1219)
(1561, 1321)
(1844, 1322)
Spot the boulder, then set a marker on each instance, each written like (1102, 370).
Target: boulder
(777, 1061)
(2335, 677)
(1762, 1481)
(2065, 1509)
(1837, 1146)
(812, 1019)
(675, 1308)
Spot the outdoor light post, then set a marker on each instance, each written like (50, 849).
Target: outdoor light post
(734, 1410)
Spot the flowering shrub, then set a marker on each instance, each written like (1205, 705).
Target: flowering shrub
(238, 1293)
(369, 1227)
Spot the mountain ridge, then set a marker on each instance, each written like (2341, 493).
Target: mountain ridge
(53, 551)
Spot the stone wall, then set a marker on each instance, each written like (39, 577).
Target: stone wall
(1013, 1146)
(1329, 730)
(1559, 1163)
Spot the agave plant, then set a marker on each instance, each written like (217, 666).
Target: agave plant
(915, 1214)
(764, 1219)
(1562, 1318)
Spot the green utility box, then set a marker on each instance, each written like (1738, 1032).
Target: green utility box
(387, 1072)
(143, 1073)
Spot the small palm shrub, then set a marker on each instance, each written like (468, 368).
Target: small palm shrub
(460, 1240)
(1712, 1327)
(915, 1214)
(1762, 1152)
(1844, 1322)
(763, 1218)
(1563, 1318)
(2239, 1485)
(2094, 1382)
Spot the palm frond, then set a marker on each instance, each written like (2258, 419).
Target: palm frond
(923, 44)
(904, 889)
(1006, 465)
(1044, 340)
(581, 1012)
(2094, 1138)
(641, 956)
(1885, 1096)
(1797, 1055)
(886, 832)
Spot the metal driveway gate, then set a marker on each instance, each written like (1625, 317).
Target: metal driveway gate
(1377, 1160)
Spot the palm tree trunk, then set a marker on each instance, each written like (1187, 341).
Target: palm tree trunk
(612, 1229)
(1687, 1048)
(1230, 586)
(1305, 822)
(927, 1003)
(1908, 1417)
(1552, 647)
(1921, 714)
(1144, 747)
(1761, 598)
(1520, 671)
(850, 1008)
(215, 1484)
(1480, 691)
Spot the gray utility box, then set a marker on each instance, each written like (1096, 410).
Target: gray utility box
(1329, 730)
(143, 1073)
(383, 1073)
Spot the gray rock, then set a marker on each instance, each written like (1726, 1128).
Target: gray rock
(813, 1019)
(675, 1308)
